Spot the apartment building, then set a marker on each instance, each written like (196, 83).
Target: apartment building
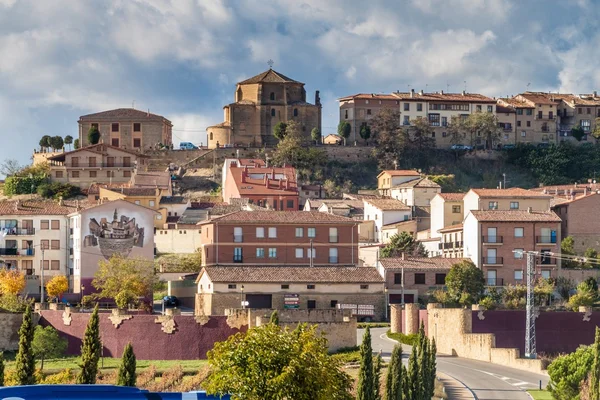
(360, 108)
(298, 287)
(505, 199)
(507, 122)
(388, 179)
(416, 192)
(451, 241)
(523, 126)
(279, 238)
(275, 188)
(495, 240)
(127, 128)
(96, 164)
(446, 210)
(581, 220)
(34, 238)
(385, 212)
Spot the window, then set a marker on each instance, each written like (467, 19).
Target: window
(272, 232)
(546, 273)
(114, 127)
(523, 133)
(518, 123)
(95, 125)
(151, 203)
(333, 256)
(237, 234)
(363, 287)
(311, 304)
(92, 161)
(456, 209)
(589, 110)
(493, 205)
(272, 252)
(529, 111)
(137, 143)
(44, 224)
(550, 115)
(75, 174)
(260, 253)
(272, 112)
(285, 286)
(478, 108)
(440, 279)
(518, 275)
(434, 119)
(295, 112)
(59, 174)
(514, 205)
(299, 232)
(311, 233)
(114, 142)
(137, 127)
(137, 202)
(211, 136)
(406, 106)
(444, 134)
(518, 254)
(528, 123)
(55, 265)
(586, 124)
(406, 120)
(519, 111)
(397, 278)
(45, 244)
(299, 253)
(55, 245)
(419, 279)
(419, 106)
(310, 287)
(237, 254)
(290, 204)
(366, 101)
(444, 122)
(231, 286)
(92, 174)
(260, 233)
(333, 235)
(272, 96)
(55, 225)
(490, 109)
(368, 111)
(45, 264)
(518, 232)
(311, 253)
(333, 303)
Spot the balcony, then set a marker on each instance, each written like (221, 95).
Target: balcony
(238, 238)
(545, 239)
(492, 260)
(16, 231)
(549, 117)
(545, 129)
(492, 240)
(458, 245)
(333, 260)
(16, 252)
(546, 260)
(333, 238)
(88, 166)
(494, 282)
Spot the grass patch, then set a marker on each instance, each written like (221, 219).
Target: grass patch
(347, 355)
(404, 339)
(540, 394)
(363, 325)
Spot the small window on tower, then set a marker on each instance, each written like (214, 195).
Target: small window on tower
(272, 97)
(272, 112)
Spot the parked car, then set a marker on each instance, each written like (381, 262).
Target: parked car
(461, 147)
(171, 301)
(508, 147)
(543, 145)
(187, 146)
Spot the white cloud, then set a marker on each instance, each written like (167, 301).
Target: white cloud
(191, 127)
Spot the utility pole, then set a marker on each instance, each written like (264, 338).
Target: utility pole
(530, 342)
(42, 277)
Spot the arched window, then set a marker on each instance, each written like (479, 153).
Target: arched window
(211, 137)
(295, 112)
(272, 112)
(272, 97)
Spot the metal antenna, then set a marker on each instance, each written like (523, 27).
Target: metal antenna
(133, 104)
(465, 85)
(530, 342)
(270, 62)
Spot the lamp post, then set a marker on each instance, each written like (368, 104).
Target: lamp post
(81, 292)
(42, 277)
(244, 303)
(385, 291)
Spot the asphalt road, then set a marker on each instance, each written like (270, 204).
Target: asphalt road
(485, 380)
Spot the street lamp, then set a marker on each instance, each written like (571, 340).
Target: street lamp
(244, 303)
(385, 291)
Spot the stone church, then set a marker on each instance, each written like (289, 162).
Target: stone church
(260, 103)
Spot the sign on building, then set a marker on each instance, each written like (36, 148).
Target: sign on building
(291, 301)
(366, 310)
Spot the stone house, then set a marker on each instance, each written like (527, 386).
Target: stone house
(385, 212)
(446, 210)
(581, 220)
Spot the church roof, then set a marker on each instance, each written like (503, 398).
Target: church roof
(270, 76)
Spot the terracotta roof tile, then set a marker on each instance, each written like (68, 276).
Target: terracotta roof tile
(256, 186)
(515, 216)
(284, 217)
(99, 148)
(419, 182)
(370, 96)
(540, 98)
(134, 191)
(399, 172)
(42, 207)
(269, 76)
(452, 196)
(388, 204)
(419, 263)
(510, 192)
(298, 274)
(450, 228)
(162, 180)
(173, 200)
(445, 97)
(128, 113)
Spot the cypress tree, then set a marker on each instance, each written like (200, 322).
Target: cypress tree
(1, 368)
(432, 365)
(394, 380)
(126, 376)
(377, 377)
(423, 362)
(406, 389)
(90, 351)
(25, 362)
(274, 318)
(365, 390)
(595, 373)
(414, 381)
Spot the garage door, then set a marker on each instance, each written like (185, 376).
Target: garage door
(397, 298)
(259, 300)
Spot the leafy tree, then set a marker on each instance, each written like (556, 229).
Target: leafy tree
(391, 140)
(315, 135)
(57, 142)
(126, 375)
(76, 144)
(93, 135)
(279, 130)
(585, 296)
(377, 365)
(465, 282)
(596, 132)
(578, 133)
(274, 318)
(365, 389)
(48, 344)
(1, 368)
(57, 286)
(447, 182)
(476, 127)
(25, 362)
(403, 243)
(591, 255)
(271, 363)
(393, 386)
(365, 132)
(564, 286)
(10, 167)
(420, 133)
(567, 247)
(344, 129)
(567, 372)
(69, 140)
(90, 351)
(45, 142)
(595, 375)
(12, 281)
(124, 279)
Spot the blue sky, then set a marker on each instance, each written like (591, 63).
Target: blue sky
(60, 59)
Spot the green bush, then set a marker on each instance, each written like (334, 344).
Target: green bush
(64, 377)
(488, 303)
(13, 303)
(363, 325)
(58, 190)
(410, 339)
(568, 372)
(14, 185)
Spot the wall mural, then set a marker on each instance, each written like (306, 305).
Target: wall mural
(118, 236)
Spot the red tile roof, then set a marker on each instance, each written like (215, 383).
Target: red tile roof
(370, 96)
(251, 162)
(125, 113)
(510, 193)
(419, 182)
(253, 186)
(100, 148)
(445, 97)
(504, 110)
(159, 179)
(269, 76)
(388, 204)
(399, 172)
(451, 228)
(452, 196)
(134, 191)
(296, 274)
(283, 217)
(419, 263)
(42, 207)
(515, 216)
(540, 98)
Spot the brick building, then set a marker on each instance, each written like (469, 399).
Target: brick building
(279, 238)
(495, 240)
(505, 199)
(260, 103)
(581, 220)
(274, 287)
(127, 128)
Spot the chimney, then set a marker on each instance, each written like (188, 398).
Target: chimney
(287, 184)
(441, 92)
(464, 93)
(147, 115)
(273, 173)
(412, 93)
(402, 256)
(279, 183)
(60, 201)
(595, 94)
(421, 92)
(244, 176)
(529, 210)
(585, 191)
